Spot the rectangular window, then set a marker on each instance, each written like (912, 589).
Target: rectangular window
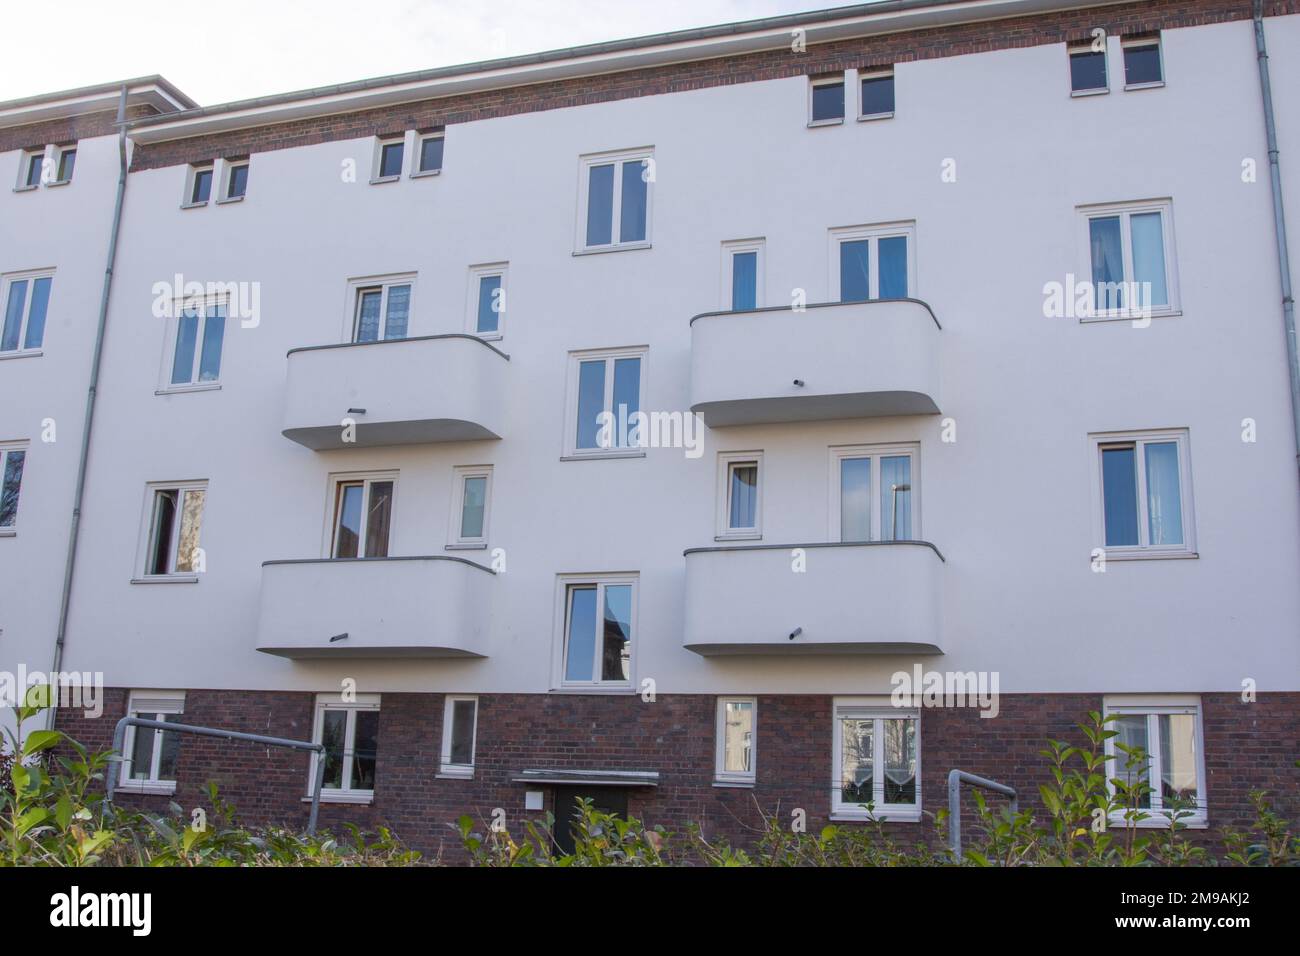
(739, 495)
(614, 192)
(389, 155)
(459, 730)
(890, 514)
(1145, 484)
(431, 145)
(470, 499)
(175, 520)
(200, 185)
(350, 732)
(199, 335)
(872, 262)
(826, 99)
(598, 620)
(32, 168)
(363, 514)
(381, 309)
(236, 179)
(26, 300)
(67, 162)
(877, 94)
(1142, 62)
(605, 390)
(877, 756)
(487, 300)
(1131, 259)
(742, 274)
(150, 753)
(737, 737)
(13, 457)
(1168, 771)
(1087, 70)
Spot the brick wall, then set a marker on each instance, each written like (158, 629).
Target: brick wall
(67, 129)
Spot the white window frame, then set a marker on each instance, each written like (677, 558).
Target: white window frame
(332, 701)
(875, 73)
(455, 539)
(877, 709)
(722, 777)
(228, 167)
(151, 705)
(144, 551)
(1144, 550)
(191, 174)
(1125, 211)
(29, 276)
(56, 155)
(874, 233)
(571, 449)
(600, 581)
(1086, 47)
(172, 329)
(875, 452)
(1152, 706)
(420, 139)
(5, 448)
(366, 479)
(1127, 43)
(445, 766)
(727, 462)
(44, 155)
(405, 139)
(827, 79)
(477, 273)
(384, 283)
(617, 158)
(729, 250)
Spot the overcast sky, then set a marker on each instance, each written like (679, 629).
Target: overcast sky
(235, 49)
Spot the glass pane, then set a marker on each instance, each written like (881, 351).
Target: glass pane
(472, 507)
(627, 393)
(191, 523)
(855, 499)
(489, 303)
(1148, 239)
(462, 731)
(591, 402)
(1119, 496)
(1164, 499)
(896, 498)
(900, 760)
(34, 166)
(368, 303)
(171, 748)
(399, 311)
(333, 730)
(877, 95)
(348, 532)
(164, 519)
(1142, 64)
(142, 750)
(390, 159)
(1107, 263)
(743, 497)
(580, 646)
(378, 519)
(616, 656)
(187, 333)
(214, 332)
(1133, 733)
(238, 181)
(1177, 757)
(892, 252)
(13, 480)
(828, 101)
(855, 760)
(855, 271)
(632, 214)
(365, 751)
(36, 316)
(14, 315)
(431, 153)
(1087, 71)
(744, 281)
(600, 205)
(67, 162)
(738, 739)
(202, 185)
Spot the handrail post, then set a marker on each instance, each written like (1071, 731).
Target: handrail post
(955, 779)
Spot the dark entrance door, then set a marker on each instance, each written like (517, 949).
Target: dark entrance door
(604, 799)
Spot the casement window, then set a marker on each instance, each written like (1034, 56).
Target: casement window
(430, 153)
(1130, 259)
(737, 739)
(26, 298)
(198, 185)
(236, 180)
(65, 162)
(31, 169)
(172, 530)
(362, 515)
(194, 345)
(1087, 70)
(875, 94)
(598, 619)
(470, 500)
(381, 308)
(605, 389)
(1167, 730)
(826, 99)
(349, 729)
(1145, 494)
(874, 493)
(873, 262)
(742, 274)
(390, 154)
(877, 760)
(459, 733)
(615, 191)
(151, 754)
(487, 300)
(740, 495)
(13, 456)
(1143, 65)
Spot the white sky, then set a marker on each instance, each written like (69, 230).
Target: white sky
(235, 49)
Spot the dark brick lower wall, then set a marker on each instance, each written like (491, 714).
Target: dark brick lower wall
(1248, 746)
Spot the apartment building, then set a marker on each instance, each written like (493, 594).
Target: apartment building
(954, 327)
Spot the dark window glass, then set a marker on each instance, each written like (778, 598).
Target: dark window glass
(632, 214)
(855, 271)
(744, 281)
(627, 393)
(877, 95)
(600, 205)
(347, 532)
(1142, 64)
(892, 252)
(164, 519)
(171, 748)
(238, 182)
(333, 733)
(591, 402)
(1087, 71)
(187, 333)
(580, 645)
(398, 311)
(390, 159)
(67, 160)
(202, 186)
(378, 518)
(616, 653)
(34, 165)
(13, 480)
(214, 331)
(827, 101)
(489, 303)
(36, 315)
(1119, 494)
(365, 751)
(14, 315)
(462, 731)
(431, 153)
(368, 305)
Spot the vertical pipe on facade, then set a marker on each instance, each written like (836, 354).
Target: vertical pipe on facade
(1279, 224)
(91, 392)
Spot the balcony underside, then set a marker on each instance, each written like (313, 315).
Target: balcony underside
(376, 434)
(811, 408)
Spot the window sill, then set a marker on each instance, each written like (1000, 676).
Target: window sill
(385, 179)
(59, 182)
(601, 456)
(1097, 92)
(814, 124)
(1157, 821)
(359, 798)
(1144, 86)
(161, 788)
(489, 336)
(8, 532)
(747, 536)
(21, 353)
(1131, 317)
(24, 189)
(229, 199)
(182, 389)
(425, 173)
(466, 547)
(167, 579)
(451, 773)
(1113, 555)
(594, 689)
(733, 784)
(884, 816)
(193, 205)
(620, 247)
(868, 117)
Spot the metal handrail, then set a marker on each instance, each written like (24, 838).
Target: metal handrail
(955, 779)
